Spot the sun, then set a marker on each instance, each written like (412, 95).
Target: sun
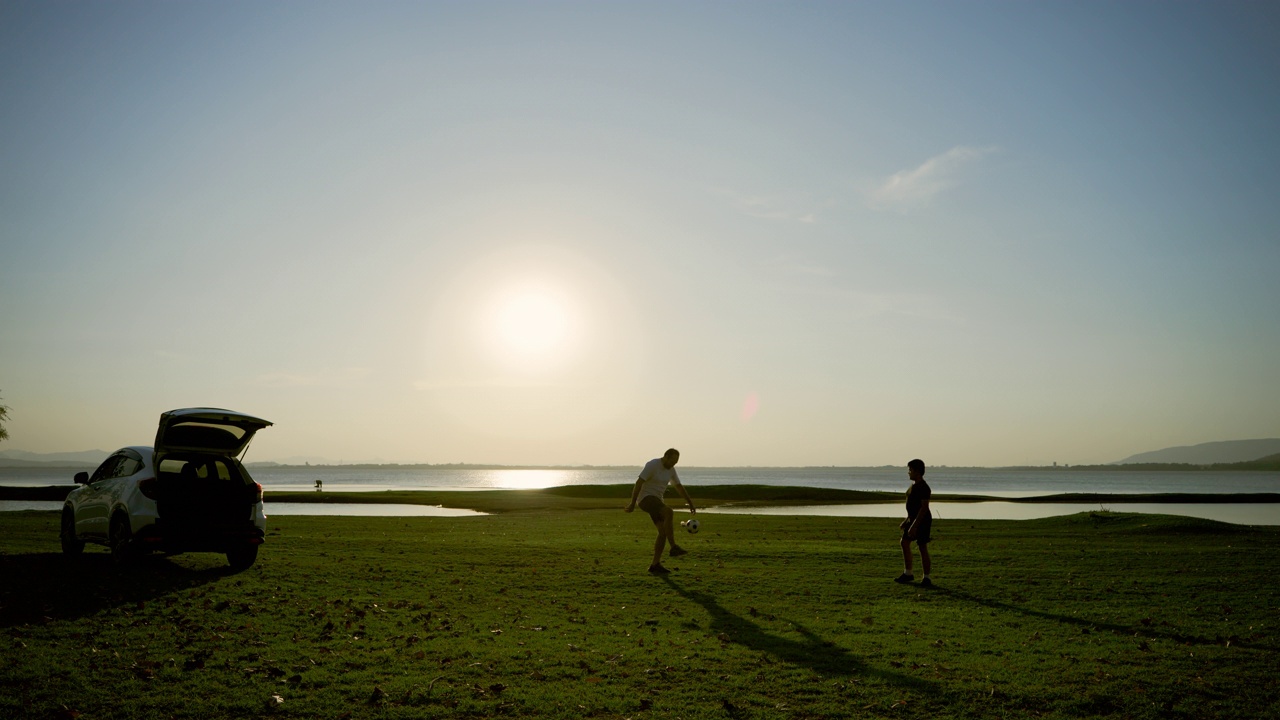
(531, 324)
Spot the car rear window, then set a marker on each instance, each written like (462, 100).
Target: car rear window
(202, 468)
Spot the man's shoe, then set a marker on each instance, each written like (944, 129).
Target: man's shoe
(678, 551)
(926, 583)
(658, 570)
(904, 578)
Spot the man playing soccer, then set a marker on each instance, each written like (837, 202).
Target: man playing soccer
(918, 524)
(648, 492)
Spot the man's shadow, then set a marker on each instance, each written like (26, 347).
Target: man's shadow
(810, 651)
(43, 587)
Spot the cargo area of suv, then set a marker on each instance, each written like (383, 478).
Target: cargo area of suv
(204, 496)
(205, 503)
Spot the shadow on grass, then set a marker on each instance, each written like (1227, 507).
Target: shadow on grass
(37, 588)
(1087, 625)
(811, 651)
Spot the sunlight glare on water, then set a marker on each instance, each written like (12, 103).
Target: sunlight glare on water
(527, 479)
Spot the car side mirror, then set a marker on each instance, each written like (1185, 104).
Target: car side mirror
(82, 478)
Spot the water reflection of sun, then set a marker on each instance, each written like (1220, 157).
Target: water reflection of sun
(527, 479)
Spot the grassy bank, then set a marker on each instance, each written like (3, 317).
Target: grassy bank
(539, 614)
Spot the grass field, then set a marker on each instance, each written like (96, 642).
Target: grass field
(551, 614)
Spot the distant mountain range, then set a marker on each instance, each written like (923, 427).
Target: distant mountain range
(1229, 451)
(91, 458)
(22, 458)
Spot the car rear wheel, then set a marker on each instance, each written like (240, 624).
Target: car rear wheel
(71, 544)
(120, 539)
(242, 558)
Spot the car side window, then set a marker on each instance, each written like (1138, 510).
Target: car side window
(127, 467)
(107, 469)
(224, 473)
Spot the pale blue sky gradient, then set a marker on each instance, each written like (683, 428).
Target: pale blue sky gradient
(977, 233)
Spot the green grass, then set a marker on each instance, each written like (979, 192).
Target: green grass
(551, 614)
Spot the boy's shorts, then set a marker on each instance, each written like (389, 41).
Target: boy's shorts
(653, 505)
(922, 534)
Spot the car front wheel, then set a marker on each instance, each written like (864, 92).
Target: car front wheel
(242, 558)
(120, 539)
(71, 544)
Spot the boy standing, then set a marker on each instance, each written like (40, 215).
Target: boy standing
(648, 492)
(918, 524)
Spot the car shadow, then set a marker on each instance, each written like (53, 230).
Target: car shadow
(809, 650)
(37, 588)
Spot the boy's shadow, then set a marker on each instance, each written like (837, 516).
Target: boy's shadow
(811, 651)
(43, 587)
(1087, 625)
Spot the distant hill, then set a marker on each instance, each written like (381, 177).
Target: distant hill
(1229, 451)
(22, 458)
(1269, 463)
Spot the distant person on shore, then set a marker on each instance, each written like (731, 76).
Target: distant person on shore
(648, 492)
(918, 524)
(319, 485)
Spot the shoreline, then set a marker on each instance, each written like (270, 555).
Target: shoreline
(590, 497)
(1260, 465)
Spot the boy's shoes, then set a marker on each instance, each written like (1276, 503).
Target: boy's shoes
(658, 570)
(904, 578)
(926, 583)
(678, 551)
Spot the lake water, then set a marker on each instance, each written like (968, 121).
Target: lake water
(1237, 513)
(996, 482)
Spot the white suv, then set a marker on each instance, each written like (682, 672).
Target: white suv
(187, 494)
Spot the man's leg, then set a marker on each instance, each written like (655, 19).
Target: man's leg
(906, 575)
(658, 544)
(924, 558)
(670, 527)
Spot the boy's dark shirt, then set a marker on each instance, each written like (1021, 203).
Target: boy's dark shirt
(916, 495)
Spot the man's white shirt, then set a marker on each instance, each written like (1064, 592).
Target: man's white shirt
(656, 478)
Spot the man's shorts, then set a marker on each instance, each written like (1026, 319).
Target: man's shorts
(653, 505)
(923, 533)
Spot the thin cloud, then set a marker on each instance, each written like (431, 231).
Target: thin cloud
(794, 266)
(908, 305)
(769, 207)
(910, 189)
(346, 377)
(482, 383)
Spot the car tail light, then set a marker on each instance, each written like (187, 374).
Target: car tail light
(257, 492)
(150, 488)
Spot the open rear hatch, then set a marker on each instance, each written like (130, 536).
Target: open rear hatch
(204, 496)
(206, 430)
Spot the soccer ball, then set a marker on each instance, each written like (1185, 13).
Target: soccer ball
(691, 525)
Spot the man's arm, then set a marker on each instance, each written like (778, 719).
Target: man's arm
(924, 508)
(685, 493)
(635, 493)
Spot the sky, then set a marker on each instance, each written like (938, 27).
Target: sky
(851, 233)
